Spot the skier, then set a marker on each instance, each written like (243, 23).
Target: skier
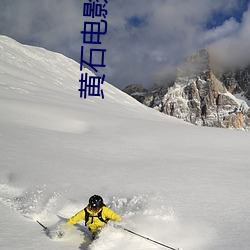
(95, 214)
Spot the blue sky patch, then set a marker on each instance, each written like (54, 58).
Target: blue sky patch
(219, 17)
(136, 21)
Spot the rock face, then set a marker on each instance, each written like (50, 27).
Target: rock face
(237, 81)
(201, 97)
(137, 91)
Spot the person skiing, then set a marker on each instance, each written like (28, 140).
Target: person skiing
(95, 214)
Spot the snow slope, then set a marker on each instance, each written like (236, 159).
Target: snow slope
(173, 182)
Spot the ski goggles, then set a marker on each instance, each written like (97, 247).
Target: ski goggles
(94, 208)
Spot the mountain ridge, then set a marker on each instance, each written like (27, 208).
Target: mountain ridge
(202, 96)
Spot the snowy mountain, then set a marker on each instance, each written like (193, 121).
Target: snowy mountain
(182, 185)
(201, 96)
(237, 81)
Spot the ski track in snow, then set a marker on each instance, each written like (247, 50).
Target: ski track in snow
(145, 214)
(43, 117)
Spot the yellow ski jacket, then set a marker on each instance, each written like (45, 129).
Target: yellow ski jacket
(94, 223)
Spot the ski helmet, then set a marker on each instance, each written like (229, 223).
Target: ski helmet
(95, 202)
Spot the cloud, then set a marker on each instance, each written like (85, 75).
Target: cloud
(228, 28)
(233, 49)
(145, 40)
(50, 23)
(171, 31)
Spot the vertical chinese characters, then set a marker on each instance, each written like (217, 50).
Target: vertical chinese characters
(92, 32)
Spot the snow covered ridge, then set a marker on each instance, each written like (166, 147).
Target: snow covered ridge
(35, 73)
(199, 97)
(40, 71)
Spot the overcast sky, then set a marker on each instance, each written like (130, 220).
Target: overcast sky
(145, 38)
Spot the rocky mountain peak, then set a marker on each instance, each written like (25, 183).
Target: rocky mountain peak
(202, 97)
(196, 64)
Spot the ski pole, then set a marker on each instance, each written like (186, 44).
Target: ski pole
(146, 238)
(45, 228)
